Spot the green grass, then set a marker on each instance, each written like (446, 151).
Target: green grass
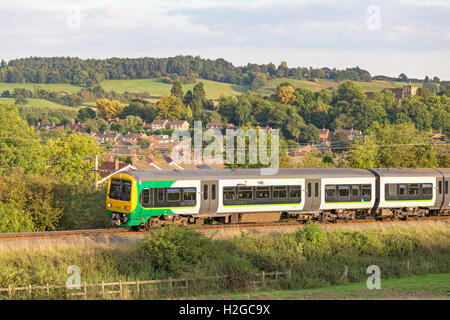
(50, 86)
(41, 103)
(430, 286)
(375, 85)
(157, 87)
(315, 257)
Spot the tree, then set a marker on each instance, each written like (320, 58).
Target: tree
(19, 144)
(109, 109)
(71, 158)
(133, 124)
(402, 77)
(85, 114)
(21, 100)
(394, 146)
(285, 93)
(258, 81)
(170, 107)
(177, 90)
(118, 127)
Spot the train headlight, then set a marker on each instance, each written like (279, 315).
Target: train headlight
(109, 205)
(126, 208)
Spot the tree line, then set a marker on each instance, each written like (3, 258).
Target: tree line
(88, 72)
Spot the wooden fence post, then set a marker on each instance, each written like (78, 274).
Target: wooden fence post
(120, 289)
(29, 289)
(137, 287)
(276, 277)
(263, 282)
(9, 291)
(48, 290)
(103, 289)
(170, 284)
(217, 282)
(85, 291)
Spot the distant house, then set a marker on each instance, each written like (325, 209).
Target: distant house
(159, 124)
(103, 138)
(232, 126)
(324, 135)
(161, 139)
(76, 126)
(214, 125)
(178, 125)
(350, 134)
(300, 151)
(133, 137)
(109, 168)
(400, 93)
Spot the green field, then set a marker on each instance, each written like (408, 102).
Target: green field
(375, 85)
(157, 87)
(50, 86)
(41, 103)
(431, 286)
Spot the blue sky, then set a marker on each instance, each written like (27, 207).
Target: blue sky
(384, 37)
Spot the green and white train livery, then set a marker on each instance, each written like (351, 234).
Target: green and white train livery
(147, 197)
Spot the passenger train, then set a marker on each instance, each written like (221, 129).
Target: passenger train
(145, 198)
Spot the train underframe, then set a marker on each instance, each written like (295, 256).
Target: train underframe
(324, 216)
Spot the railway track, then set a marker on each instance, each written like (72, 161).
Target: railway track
(218, 227)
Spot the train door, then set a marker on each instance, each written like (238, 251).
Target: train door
(312, 195)
(440, 192)
(209, 197)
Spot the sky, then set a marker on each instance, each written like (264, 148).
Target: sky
(383, 37)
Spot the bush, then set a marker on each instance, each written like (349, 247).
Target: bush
(175, 249)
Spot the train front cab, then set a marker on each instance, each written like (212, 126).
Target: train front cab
(121, 199)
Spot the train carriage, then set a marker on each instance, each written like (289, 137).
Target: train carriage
(144, 198)
(405, 192)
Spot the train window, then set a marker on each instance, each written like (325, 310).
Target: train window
(160, 195)
(262, 193)
(402, 189)
(446, 187)
(427, 188)
(330, 191)
(229, 193)
(294, 191)
(392, 190)
(279, 192)
(366, 190)
(344, 191)
(440, 187)
(316, 189)
(189, 194)
(414, 189)
(213, 192)
(120, 190)
(145, 197)
(173, 195)
(245, 193)
(309, 190)
(205, 192)
(355, 191)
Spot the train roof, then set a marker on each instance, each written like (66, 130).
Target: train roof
(411, 172)
(210, 174)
